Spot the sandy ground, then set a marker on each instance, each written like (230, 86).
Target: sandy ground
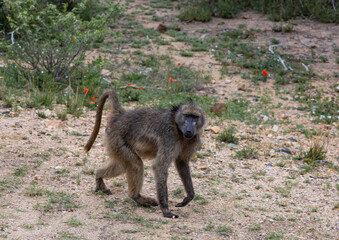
(237, 199)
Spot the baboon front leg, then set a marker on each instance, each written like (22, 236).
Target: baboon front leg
(113, 169)
(185, 175)
(161, 174)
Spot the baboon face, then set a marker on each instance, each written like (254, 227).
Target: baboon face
(190, 119)
(189, 128)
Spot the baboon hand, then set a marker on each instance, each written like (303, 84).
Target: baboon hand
(170, 215)
(184, 202)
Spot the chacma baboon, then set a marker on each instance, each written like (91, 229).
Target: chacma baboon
(168, 135)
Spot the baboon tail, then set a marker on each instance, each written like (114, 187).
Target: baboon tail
(115, 108)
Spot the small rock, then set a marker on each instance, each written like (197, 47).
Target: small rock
(337, 89)
(54, 124)
(228, 81)
(58, 168)
(269, 135)
(275, 128)
(218, 108)
(293, 139)
(242, 87)
(232, 145)
(284, 117)
(269, 165)
(286, 150)
(265, 118)
(214, 129)
(162, 28)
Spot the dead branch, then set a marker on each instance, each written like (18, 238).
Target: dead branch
(270, 48)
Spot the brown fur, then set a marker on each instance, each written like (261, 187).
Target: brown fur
(152, 133)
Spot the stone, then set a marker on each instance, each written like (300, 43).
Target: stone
(54, 124)
(214, 129)
(218, 108)
(162, 28)
(286, 150)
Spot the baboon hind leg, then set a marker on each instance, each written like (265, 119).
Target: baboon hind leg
(135, 178)
(113, 169)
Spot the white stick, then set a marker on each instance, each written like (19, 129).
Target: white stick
(270, 48)
(12, 37)
(305, 66)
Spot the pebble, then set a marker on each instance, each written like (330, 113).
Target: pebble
(293, 139)
(275, 128)
(265, 118)
(286, 150)
(232, 145)
(269, 165)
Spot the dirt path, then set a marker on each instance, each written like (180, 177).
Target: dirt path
(46, 182)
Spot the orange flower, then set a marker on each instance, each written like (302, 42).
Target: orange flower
(85, 89)
(265, 73)
(171, 79)
(179, 64)
(129, 84)
(73, 39)
(93, 98)
(139, 88)
(85, 27)
(92, 102)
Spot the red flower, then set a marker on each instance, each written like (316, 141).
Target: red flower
(129, 84)
(93, 98)
(139, 88)
(171, 79)
(85, 27)
(92, 102)
(179, 64)
(85, 89)
(73, 39)
(265, 73)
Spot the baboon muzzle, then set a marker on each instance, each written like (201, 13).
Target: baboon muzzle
(189, 129)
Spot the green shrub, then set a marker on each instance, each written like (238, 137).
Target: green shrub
(198, 11)
(277, 10)
(227, 136)
(51, 42)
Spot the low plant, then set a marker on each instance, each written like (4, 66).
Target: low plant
(227, 136)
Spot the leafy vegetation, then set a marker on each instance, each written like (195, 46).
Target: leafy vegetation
(324, 11)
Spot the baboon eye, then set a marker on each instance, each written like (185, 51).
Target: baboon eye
(191, 116)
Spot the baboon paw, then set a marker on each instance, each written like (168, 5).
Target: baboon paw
(145, 201)
(182, 204)
(107, 191)
(170, 215)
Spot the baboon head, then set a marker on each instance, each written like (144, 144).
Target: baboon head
(190, 118)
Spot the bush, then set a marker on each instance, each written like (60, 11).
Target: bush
(276, 9)
(198, 11)
(50, 42)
